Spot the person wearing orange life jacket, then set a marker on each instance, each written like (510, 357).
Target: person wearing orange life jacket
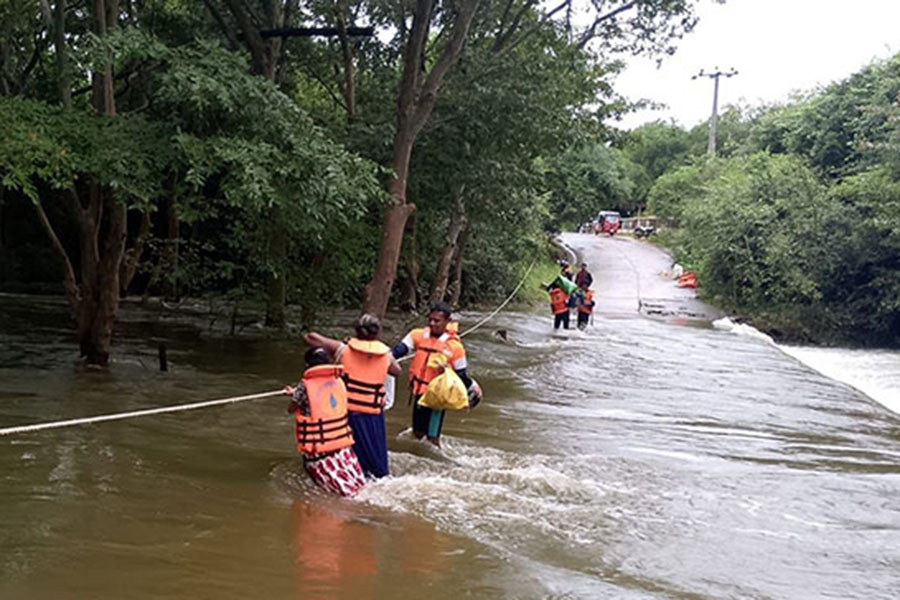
(366, 362)
(584, 304)
(559, 305)
(324, 437)
(440, 336)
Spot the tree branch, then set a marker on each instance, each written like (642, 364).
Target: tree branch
(503, 36)
(500, 51)
(591, 31)
(71, 283)
(445, 62)
(412, 60)
(226, 30)
(132, 257)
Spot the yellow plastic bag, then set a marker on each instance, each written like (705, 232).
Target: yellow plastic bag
(445, 392)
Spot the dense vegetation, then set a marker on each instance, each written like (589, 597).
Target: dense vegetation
(186, 148)
(796, 223)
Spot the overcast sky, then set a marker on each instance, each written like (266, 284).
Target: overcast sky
(778, 46)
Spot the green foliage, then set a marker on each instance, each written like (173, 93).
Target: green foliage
(586, 180)
(233, 152)
(842, 129)
(672, 190)
(231, 146)
(770, 240)
(47, 147)
(796, 222)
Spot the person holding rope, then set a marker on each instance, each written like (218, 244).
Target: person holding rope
(324, 437)
(366, 362)
(438, 336)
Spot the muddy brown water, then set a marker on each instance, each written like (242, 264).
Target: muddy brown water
(644, 458)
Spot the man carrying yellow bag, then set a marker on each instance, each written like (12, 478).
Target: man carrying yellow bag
(428, 343)
(446, 391)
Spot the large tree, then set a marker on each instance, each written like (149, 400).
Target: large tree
(610, 27)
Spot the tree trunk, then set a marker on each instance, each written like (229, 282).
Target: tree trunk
(277, 287)
(132, 257)
(169, 258)
(349, 88)
(416, 96)
(96, 301)
(2, 231)
(410, 294)
(102, 230)
(442, 272)
(378, 290)
(64, 79)
(456, 286)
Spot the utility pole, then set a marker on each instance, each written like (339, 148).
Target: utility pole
(714, 119)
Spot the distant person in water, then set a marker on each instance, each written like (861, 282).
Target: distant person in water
(441, 337)
(583, 278)
(366, 362)
(583, 299)
(324, 437)
(559, 306)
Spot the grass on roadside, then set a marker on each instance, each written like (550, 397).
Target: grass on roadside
(532, 293)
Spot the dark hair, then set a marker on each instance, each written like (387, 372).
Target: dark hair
(441, 307)
(367, 327)
(316, 356)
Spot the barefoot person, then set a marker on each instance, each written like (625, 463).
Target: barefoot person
(319, 405)
(366, 362)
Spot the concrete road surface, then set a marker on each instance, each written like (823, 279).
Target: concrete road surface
(629, 278)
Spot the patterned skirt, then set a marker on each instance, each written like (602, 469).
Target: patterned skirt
(338, 472)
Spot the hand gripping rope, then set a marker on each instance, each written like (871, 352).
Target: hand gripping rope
(208, 403)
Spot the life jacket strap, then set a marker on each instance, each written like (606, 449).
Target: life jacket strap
(315, 432)
(348, 381)
(378, 403)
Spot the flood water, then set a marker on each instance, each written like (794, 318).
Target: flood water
(644, 458)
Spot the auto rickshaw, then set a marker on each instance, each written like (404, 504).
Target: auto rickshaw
(608, 221)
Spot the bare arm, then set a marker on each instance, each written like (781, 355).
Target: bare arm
(317, 340)
(394, 368)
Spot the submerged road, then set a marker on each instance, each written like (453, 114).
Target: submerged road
(630, 277)
(641, 459)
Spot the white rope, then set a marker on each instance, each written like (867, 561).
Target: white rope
(208, 403)
(498, 309)
(134, 413)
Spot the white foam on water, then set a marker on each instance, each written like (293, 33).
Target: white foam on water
(726, 324)
(876, 373)
(498, 498)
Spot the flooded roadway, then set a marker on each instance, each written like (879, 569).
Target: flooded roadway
(648, 457)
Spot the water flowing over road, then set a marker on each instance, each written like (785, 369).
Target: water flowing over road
(651, 456)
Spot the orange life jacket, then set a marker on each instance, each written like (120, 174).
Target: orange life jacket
(365, 367)
(586, 306)
(558, 300)
(420, 374)
(326, 428)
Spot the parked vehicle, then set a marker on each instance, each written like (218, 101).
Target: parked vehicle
(642, 231)
(608, 221)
